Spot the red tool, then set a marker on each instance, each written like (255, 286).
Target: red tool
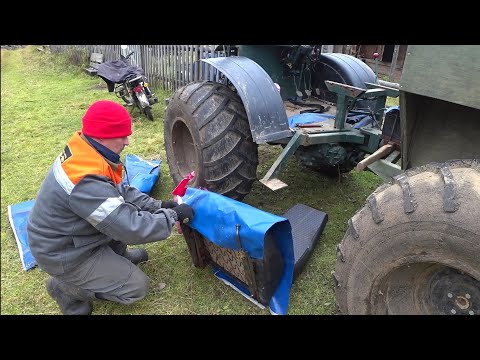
(180, 191)
(181, 188)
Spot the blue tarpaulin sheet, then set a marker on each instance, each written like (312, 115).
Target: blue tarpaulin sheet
(142, 174)
(308, 118)
(393, 108)
(18, 216)
(216, 217)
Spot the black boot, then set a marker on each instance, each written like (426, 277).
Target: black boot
(71, 299)
(136, 256)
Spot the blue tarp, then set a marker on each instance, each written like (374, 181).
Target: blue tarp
(140, 173)
(216, 217)
(143, 175)
(18, 216)
(308, 118)
(392, 108)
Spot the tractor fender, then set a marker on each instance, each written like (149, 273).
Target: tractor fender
(262, 101)
(344, 69)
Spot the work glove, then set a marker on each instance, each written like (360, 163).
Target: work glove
(169, 204)
(184, 212)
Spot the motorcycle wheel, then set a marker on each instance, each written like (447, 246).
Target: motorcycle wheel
(148, 113)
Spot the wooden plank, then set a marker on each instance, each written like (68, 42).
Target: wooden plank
(210, 54)
(195, 62)
(216, 73)
(179, 62)
(179, 66)
(445, 72)
(180, 58)
(164, 65)
(394, 62)
(380, 50)
(200, 64)
(187, 64)
(172, 67)
(154, 66)
(183, 76)
(160, 60)
(167, 66)
(190, 63)
(204, 66)
(183, 67)
(142, 61)
(175, 66)
(147, 53)
(185, 57)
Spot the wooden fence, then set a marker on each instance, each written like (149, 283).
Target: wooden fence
(167, 67)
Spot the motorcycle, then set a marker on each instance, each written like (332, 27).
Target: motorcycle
(129, 83)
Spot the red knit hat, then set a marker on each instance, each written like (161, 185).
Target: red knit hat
(107, 119)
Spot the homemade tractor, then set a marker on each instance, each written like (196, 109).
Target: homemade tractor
(415, 246)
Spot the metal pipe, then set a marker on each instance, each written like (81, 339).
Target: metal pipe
(388, 84)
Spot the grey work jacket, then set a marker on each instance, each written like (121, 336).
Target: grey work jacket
(69, 223)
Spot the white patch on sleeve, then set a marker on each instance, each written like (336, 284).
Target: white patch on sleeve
(61, 176)
(105, 209)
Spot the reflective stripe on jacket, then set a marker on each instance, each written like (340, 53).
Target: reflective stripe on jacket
(82, 206)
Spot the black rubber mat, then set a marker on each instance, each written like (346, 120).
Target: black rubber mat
(307, 226)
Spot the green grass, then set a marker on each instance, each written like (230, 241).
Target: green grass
(43, 100)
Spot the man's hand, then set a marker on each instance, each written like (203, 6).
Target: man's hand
(169, 204)
(184, 212)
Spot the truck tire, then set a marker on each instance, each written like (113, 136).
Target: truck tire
(415, 247)
(207, 131)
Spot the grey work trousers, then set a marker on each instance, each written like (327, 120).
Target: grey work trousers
(109, 276)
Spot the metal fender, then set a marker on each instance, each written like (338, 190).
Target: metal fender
(142, 98)
(261, 99)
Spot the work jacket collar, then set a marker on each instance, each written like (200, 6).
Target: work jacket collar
(111, 163)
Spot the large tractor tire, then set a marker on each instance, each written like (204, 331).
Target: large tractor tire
(415, 247)
(207, 131)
